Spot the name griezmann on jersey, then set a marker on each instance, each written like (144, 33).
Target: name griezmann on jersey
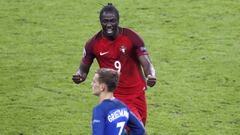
(115, 114)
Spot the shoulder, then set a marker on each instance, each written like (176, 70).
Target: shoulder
(99, 109)
(104, 105)
(128, 31)
(132, 35)
(103, 108)
(97, 36)
(120, 103)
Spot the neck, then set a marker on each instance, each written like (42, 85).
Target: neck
(104, 96)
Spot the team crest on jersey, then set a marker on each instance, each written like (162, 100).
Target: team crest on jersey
(123, 49)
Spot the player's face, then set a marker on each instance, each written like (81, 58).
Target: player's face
(96, 85)
(109, 22)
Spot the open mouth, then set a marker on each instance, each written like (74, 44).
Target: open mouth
(109, 30)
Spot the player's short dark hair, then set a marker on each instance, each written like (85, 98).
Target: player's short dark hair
(109, 77)
(109, 8)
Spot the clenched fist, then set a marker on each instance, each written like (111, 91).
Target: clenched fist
(79, 77)
(151, 80)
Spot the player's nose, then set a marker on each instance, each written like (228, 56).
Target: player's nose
(109, 24)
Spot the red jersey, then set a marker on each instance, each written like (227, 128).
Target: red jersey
(120, 54)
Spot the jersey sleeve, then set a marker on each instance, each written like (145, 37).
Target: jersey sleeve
(137, 41)
(98, 121)
(88, 54)
(135, 125)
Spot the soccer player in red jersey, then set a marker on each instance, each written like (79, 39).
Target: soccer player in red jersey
(123, 50)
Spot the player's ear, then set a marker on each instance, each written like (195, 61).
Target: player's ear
(102, 87)
(105, 88)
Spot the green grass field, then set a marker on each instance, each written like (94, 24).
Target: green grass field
(193, 44)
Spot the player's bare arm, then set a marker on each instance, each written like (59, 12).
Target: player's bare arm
(148, 69)
(81, 73)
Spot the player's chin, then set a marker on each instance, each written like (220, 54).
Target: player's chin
(109, 34)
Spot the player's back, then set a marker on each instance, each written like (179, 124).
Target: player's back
(110, 118)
